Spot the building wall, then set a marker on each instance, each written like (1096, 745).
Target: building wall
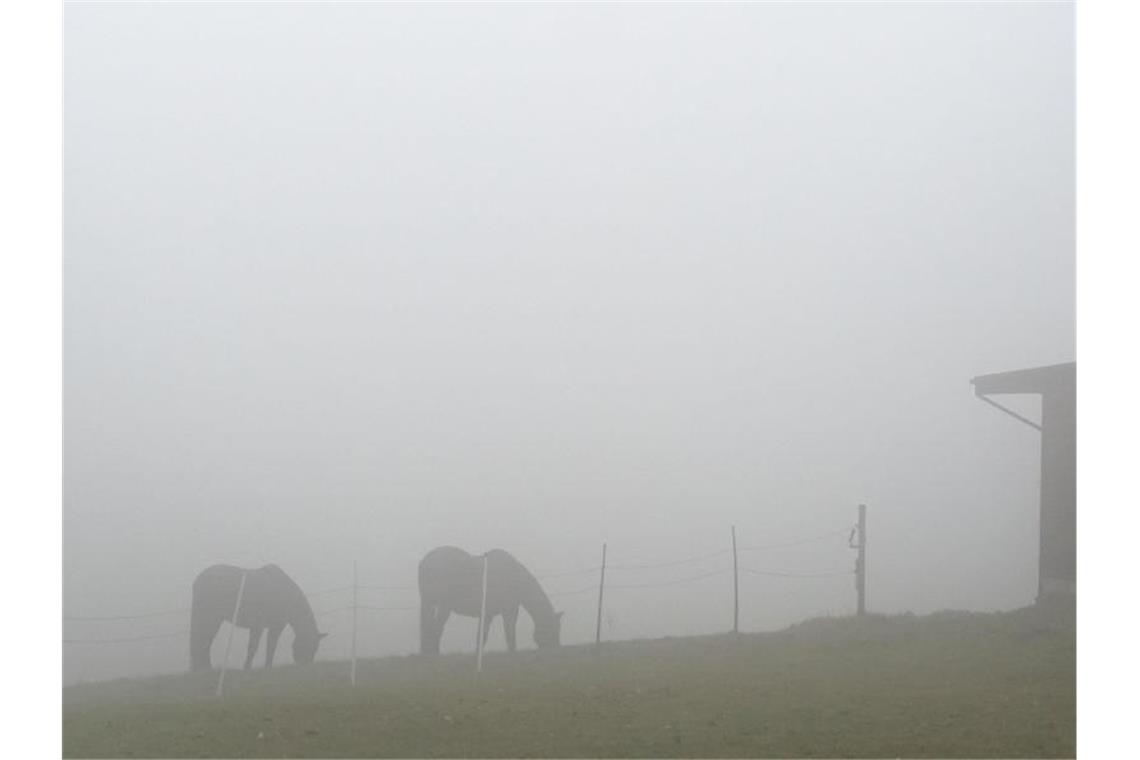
(1058, 493)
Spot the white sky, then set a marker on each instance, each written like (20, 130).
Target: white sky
(353, 281)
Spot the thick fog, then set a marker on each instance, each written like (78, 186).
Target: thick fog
(344, 283)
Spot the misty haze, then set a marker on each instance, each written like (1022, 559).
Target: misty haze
(348, 283)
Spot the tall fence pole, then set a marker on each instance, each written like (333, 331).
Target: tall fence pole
(861, 563)
(352, 673)
(230, 640)
(601, 592)
(482, 617)
(735, 587)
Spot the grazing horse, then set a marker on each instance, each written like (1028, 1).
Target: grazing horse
(451, 580)
(271, 599)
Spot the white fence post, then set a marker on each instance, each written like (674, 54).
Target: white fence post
(352, 674)
(601, 591)
(482, 617)
(735, 587)
(230, 640)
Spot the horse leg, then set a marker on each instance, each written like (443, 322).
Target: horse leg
(271, 644)
(486, 631)
(428, 614)
(440, 620)
(510, 619)
(427, 627)
(254, 642)
(202, 635)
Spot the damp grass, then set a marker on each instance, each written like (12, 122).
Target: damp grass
(943, 685)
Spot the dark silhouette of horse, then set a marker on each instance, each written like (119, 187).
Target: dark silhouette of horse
(451, 580)
(271, 600)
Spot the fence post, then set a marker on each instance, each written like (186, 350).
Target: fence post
(735, 587)
(861, 563)
(352, 673)
(482, 617)
(230, 640)
(601, 591)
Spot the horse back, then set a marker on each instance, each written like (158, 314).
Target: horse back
(452, 577)
(444, 564)
(266, 599)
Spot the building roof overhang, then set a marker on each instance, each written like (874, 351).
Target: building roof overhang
(1053, 378)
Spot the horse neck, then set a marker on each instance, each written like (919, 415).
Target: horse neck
(534, 600)
(300, 614)
(303, 621)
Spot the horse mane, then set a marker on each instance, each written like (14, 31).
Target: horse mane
(301, 613)
(535, 599)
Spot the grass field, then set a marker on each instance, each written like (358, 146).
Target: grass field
(945, 685)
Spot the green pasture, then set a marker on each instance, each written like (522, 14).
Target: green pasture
(944, 685)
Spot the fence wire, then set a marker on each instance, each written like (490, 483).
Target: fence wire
(779, 574)
(143, 616)
(798, 542)
(674, 582)
(570, 573)
(583, 590)
(593, 588)
(671, 563)
(170, 635)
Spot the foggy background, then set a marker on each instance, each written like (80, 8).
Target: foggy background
(349, 282)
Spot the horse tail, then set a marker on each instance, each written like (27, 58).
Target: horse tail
(199, 645)
(430, 627)
(427, 627)
(205, 618)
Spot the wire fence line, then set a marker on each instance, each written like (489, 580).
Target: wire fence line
(309, 595)
(778, 574)
(165, 613)
(673, 582)
(592, 588)
(671, 563)
(327, 591)
(151, 637)
(583, 590)
(797, 542)
(333, 611)
(569, 573)
(727, 552)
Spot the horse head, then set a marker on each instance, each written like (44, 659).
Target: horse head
(548, 632)
(305, 647)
